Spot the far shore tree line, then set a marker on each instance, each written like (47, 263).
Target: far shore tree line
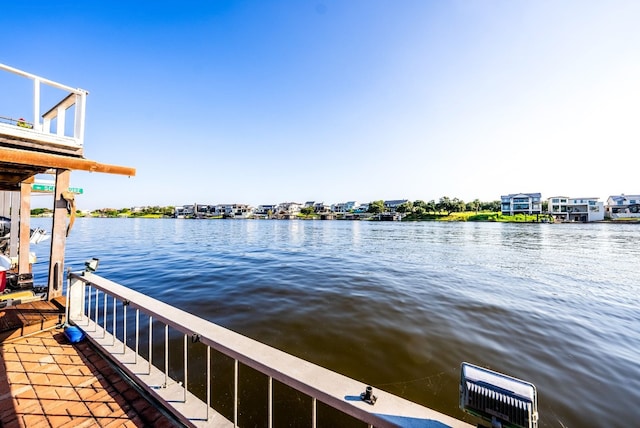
(417, 208)
(445, 204)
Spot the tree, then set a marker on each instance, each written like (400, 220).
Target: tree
(474, 205)
(39, 211)
(457, 205)
(376, 207)
(307, 211)
(405, 207)
(493, 206)
(445, 204)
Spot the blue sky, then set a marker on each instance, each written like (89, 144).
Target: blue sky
(262, 102)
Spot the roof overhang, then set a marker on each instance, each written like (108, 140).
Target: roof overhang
(18, 165)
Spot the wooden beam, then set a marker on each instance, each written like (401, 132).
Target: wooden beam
(14, 240)
(25, 228)
(58, 235)
(48, 160)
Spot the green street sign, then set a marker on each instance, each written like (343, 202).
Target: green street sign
(49, 188)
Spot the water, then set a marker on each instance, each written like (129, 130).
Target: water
(401, 305)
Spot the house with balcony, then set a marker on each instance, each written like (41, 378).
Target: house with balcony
(623, 206)
(344, 207)
(184, 211)
(564, 208)
(233, 210)
(265, 210)
(288, 210)
(521, 203)
(321, 208)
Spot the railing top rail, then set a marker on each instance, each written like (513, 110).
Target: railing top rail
(334, 389)
(42, 79)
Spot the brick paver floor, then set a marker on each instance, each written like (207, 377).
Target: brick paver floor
(47, 382)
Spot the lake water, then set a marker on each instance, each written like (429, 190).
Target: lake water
(401, 305)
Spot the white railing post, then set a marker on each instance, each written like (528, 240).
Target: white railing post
(208, 380)
(60, 120)
(78, 132)
(186, 371)
(166, 355)
(36, 104)
(270, 402)
(75, 294)
(314, 412)
(235, 393)
(113, 337)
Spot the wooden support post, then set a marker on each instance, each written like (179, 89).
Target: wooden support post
(14, 240)
(25, 228)
(58, 235)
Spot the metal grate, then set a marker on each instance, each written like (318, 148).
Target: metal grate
(502, 400)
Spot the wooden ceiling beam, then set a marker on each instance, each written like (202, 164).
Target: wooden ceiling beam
(47, 160)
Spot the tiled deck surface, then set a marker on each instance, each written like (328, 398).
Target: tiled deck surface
(47, 382)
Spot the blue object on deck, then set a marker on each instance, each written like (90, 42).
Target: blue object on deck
(73, 333)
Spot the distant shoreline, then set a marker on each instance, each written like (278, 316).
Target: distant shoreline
(454, 217)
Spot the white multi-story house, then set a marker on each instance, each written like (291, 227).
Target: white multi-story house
(344, 207)
(265, 211)
(521, 203)
(564, 208)
(623, 206)
(320, 207)
(184, 211)
(234, 210)
(288, 209)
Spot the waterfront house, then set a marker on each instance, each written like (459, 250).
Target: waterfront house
(321, 208)
(623, 206)
(287, 210)
(563, 208)
(185, 211)
(233, 210)
(265, 211)
(391, 205)
(361, 208)
(521, 203)
(344, 207)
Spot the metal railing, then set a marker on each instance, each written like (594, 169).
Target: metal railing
(164, 361)
(41, 123)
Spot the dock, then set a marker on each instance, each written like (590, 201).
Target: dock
(45, 381)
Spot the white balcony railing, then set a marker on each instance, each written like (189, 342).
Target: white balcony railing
(39, 127)
(128, 325)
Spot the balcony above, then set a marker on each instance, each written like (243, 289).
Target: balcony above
(52, 137)
(52, 130)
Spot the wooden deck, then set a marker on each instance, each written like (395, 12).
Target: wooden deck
(47, 382)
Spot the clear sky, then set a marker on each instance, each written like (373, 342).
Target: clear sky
(268, 101)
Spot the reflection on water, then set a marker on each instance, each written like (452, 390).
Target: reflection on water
(400, 306)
